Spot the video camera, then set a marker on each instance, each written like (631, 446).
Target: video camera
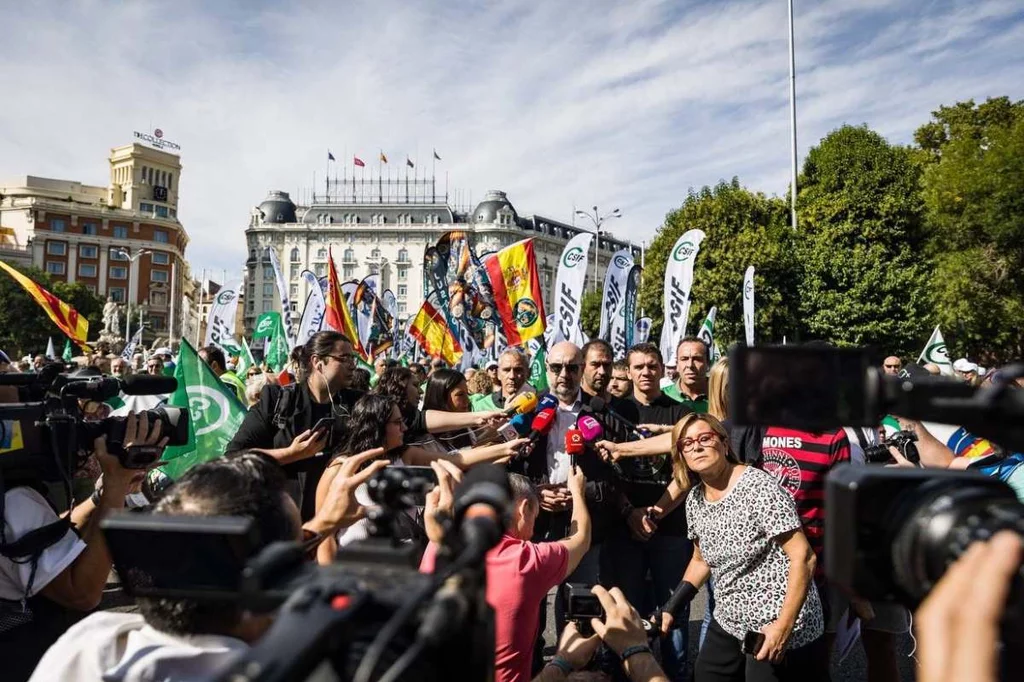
(890, 533)
(42, 433)
(370, 615)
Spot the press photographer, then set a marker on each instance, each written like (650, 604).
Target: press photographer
(54, 567)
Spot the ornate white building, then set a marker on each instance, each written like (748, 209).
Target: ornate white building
(388, 236)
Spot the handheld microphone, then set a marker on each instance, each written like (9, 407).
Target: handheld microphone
(599, 406)
(517, 427)
(547, 401)
(573, 444)
(590, 428)
(541, 425)
(521, 404)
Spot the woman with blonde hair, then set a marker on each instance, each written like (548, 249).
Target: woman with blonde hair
(718, 390)
(748, 538)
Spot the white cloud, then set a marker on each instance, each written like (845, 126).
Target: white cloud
(618, 104)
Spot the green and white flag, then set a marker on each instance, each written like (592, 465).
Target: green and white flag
(214, 414)
(245, 360)
(707, 330)
(67, 354)
(539, 371)
(935, 352)
(266, 326)
(278, 348)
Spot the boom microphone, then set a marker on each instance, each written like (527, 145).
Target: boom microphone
(148, 384)
(108, 387)
(483, 503)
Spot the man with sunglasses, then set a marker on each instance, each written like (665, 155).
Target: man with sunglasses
(288, 423)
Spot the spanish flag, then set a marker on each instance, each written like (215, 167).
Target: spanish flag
(430, 328)
(517, 293)
(64, 316)
(338, 317)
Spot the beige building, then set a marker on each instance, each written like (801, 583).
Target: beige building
(122, 240)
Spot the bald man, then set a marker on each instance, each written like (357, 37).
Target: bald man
(892, 365)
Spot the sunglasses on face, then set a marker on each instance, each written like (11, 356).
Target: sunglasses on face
(556, 368)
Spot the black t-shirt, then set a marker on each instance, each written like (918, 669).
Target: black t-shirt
(643, 480)
(259, 430)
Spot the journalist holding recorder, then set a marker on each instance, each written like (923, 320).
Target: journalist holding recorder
(47, 583)
(748, 537)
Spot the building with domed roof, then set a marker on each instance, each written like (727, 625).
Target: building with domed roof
(380, 231)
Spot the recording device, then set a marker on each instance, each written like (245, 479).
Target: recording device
(600, 407)
(628, 468)
(410, 483)
(523, 403)
(590, 428)
(369, 614)
(547, 401)
(752, 643)
(573, 444)
(541, 425)
(903, 441)
(581, 605)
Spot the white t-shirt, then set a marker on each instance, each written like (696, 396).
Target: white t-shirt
(121, 647)
(25, 510)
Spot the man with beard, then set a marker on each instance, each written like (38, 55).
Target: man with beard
(597, 366)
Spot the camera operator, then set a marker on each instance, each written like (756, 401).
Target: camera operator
(185, 639)
(43, 593)
(520, 573)
(623, 632)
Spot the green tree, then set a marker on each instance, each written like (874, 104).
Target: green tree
(973, 192)
(25, 327)
(743, 228)
(590, 312)
(861, 242)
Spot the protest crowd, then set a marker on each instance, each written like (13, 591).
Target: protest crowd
(626, 476)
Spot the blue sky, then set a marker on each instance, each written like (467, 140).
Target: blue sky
(559, 103)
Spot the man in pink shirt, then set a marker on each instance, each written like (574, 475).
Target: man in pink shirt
(519, 572)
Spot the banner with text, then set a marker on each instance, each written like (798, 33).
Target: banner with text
(748, 305)
(314, 310)
(569, 282)
(614, 288)
(282, 290)
(220, 324)
(678, 281)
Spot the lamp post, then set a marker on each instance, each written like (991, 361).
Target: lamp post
(128, 312)
(597, 220)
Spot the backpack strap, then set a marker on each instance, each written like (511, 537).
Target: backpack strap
(284, 407)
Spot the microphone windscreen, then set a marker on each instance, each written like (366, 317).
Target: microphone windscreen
(547, 401)
(590, 428)
(521, 423)
(573, 442)
(597, 404)
(148, 384)
(523, 403)
(543, 421)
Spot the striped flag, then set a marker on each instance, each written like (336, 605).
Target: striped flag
(338, 316)
(517, 292)
(64, 316)
(356, 161)
(430, 328)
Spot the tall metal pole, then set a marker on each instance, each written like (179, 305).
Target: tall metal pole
(128, 311)
(792, 115)
(597, 240)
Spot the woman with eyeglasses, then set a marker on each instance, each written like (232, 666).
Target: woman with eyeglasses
(747, 537)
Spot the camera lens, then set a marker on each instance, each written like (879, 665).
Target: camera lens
(937, 524)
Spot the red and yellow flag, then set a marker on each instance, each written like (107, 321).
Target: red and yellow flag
(430, 328)
(338, 317)
(517, 292)
(64, 316)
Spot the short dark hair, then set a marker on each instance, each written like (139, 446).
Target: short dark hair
(439, 385)
(621, 365)
(645, 349)
(694, 339)
(523, 489)
(599, 344)
(214, 354)
(300, 357)
(361, 379)
(249, 484)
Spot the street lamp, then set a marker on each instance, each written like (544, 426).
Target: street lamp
(598, 220)
(128, 312)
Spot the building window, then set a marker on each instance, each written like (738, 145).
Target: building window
(268, 289)
(402, 307)
(143, 175)
(403, 289)
(55, 267)
(268, 272)
(320, 269)
(57, 248)
(158, 276)
(250, 306)
(293, 290)
(58, 225)
(321, 254)
(161, 211)
(403, 274)
(349, 256)
(88, 251)
(145, 207)
(348, 271)
(160, 236)
(295, 255)
(118, 272)
(403, 255)
(293, 271)
(170, 181)
(116, 294)
(158, 298)
(156, 322)
(374, 269)
(117, 253)
(120, 232)
(375, 253)
(160, 258)
(90, 228)
(86, 269)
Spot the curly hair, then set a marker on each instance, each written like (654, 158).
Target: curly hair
(480, 383)
(394, 384)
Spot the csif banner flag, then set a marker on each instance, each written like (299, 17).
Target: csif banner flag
(313, 312)
(707, 330)
(282, 290)
(936, 353)
(129, 348)
(220, 324)
(569, 282)
(624, 319)
(748, 305)
(642, 330)
(614, 288)
(678, 282)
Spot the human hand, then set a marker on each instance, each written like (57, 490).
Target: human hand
(553, 498)
(962, 643)
(651, 516)
(664, 623)
(577, 483)
(448, 476)
(307, 444)
(137, 433)
(776, 635)
(340, 507)
(606, 449)
(640, 527)
(574, 648)
(622, 627)
(901, 461)
(512, 448)
(489, 418)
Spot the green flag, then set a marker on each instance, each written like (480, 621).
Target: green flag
(67, 354)
(277, 348)
(245, 360)
(538, 372)
(214, 414)
(266, 326)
